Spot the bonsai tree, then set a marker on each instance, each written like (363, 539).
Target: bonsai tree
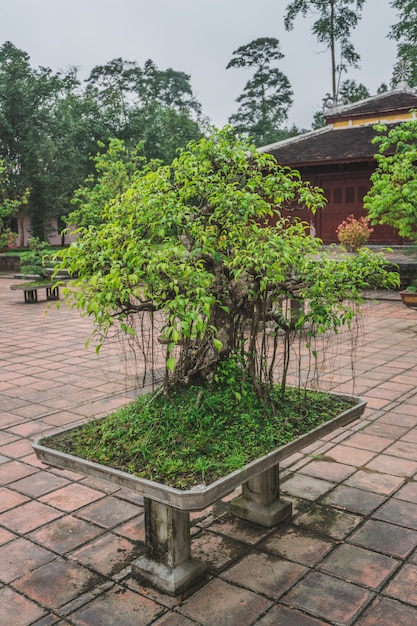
(203, 256)
(392, 198)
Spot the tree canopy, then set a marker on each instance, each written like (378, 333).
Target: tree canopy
(51, 124)
(392, 198)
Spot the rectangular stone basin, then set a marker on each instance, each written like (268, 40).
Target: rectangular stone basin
(200, 496)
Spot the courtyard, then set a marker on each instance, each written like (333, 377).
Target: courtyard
(347, 556)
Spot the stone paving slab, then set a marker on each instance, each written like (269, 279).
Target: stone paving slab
(347, 557)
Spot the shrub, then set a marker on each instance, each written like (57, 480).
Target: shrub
(354, 233)
(33, 261)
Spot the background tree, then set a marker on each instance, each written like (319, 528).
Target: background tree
(337, 19)
(26, 97)
(392, 198)
(146, 104)
(350, 91)
(404, 32)
(50, 125)
(8, 209)
(266, 97)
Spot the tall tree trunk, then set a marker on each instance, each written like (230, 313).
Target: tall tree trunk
(333, 49)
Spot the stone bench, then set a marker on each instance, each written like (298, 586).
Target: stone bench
(30, 290)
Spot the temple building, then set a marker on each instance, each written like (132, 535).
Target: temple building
(339, 158)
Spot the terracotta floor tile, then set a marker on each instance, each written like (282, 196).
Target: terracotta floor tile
(326, 597)
(404, 585)
(265, 573)
(28, 429)
(374, 481)
(411, 436)
(5, 536)
(109, 512)
(329, 521)
(408, 492)
(38, 484)
(134, 529)
(72, 496)
(390, 431)
(398, 512)
(284, 616)
(399, 418)
(350, 455)
(387, 612)
(117, 606)
(65, 534)
(100, 485)
(129, 495)
(308, 487)
(9, 499)
(56, 583)
(32, 459)
(221, 604)
(353, 500)
(7, 437)
(216, 551)
(377, 403)
(16, 610)
(297, 544)
(373, 443)
(359, 565)
(387, 538)
(9, 472)
(19, 557)
(403, 450)
(327, 470)
(174, 619)
(393, 465)
(239, 529)
(106, 555)
(61, 418)
(17, 449)
(28, 516)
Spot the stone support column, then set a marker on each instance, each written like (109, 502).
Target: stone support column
(167, 563)
(260, 501)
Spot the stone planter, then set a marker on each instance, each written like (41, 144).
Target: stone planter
(167, 563)
(409, 298)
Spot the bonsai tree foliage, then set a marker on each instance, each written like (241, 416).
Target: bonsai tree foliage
(198, 255)
(392, 198)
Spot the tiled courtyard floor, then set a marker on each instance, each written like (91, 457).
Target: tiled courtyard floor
(347, 556)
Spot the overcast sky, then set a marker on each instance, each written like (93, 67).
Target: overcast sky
(197, 37)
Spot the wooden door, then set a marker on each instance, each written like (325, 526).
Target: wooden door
(345, 197)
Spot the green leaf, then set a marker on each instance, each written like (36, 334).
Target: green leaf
(170, 364)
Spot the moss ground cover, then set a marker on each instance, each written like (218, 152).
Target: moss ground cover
(199, 433)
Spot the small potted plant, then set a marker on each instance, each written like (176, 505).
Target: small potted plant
(354, 233)
(409, 295)
(188, 263)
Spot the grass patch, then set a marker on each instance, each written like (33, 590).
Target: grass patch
(198, 435)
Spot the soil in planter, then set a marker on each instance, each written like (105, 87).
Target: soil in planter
(198, 434)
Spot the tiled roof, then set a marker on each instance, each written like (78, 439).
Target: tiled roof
(348, 142)
(396, 101)
(328, 144)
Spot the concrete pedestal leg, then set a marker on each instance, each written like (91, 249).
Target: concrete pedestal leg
(167, 563)
(260, 501)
